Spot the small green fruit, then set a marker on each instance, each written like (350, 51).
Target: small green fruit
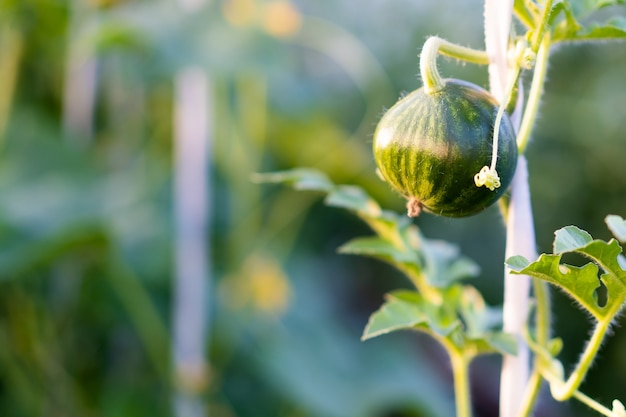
(429, 147)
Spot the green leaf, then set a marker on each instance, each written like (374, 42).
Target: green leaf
(481, 321)
(613, 29)
(570, 25)
(349, 197)
(581, 283)
(395, 314)
(378, 248)
(517, 263)
(445, 265)
(408, 310)
(583, 8)
(476, 316)
(575, 11)
(388, 225)
(399, 242)
(572, 30)
(462, 318)
(501, 342)
(441, 319)
(555, 346)
(299, 178)
(569, 239)
(354, 198)
(604, 254)
(617, 226)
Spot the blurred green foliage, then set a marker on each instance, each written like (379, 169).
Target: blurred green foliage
(85, 218)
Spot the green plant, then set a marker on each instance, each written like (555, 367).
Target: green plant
(455, 313)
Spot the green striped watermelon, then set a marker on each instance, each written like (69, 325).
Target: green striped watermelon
(429, 147)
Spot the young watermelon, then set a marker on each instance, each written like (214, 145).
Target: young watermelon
(429, 147)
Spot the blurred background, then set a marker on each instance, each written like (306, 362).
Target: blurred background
(91, 95)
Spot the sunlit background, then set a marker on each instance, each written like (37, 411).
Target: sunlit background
(88, 98)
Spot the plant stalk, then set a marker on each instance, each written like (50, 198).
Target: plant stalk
(460, 370)
(551, 376)
(460, 360)
(542, 30)
(531, 394)
(428, 60)
(562, 392)
(593, 404)
(534, 96)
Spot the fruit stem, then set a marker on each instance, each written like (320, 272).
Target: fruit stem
(488, 176)
(428, 60)
(496, 129)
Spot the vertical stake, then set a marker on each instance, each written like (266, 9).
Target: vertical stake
(520, 230)
(193, 124)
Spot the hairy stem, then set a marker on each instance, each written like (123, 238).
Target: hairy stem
(534, 96)
(543, 318)
(428, 60)
(562, 392)
(460, 368)
(543, 26)
(554, 378)
(417, 277)
(460, 362)
(593, 404)
(531, 394)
